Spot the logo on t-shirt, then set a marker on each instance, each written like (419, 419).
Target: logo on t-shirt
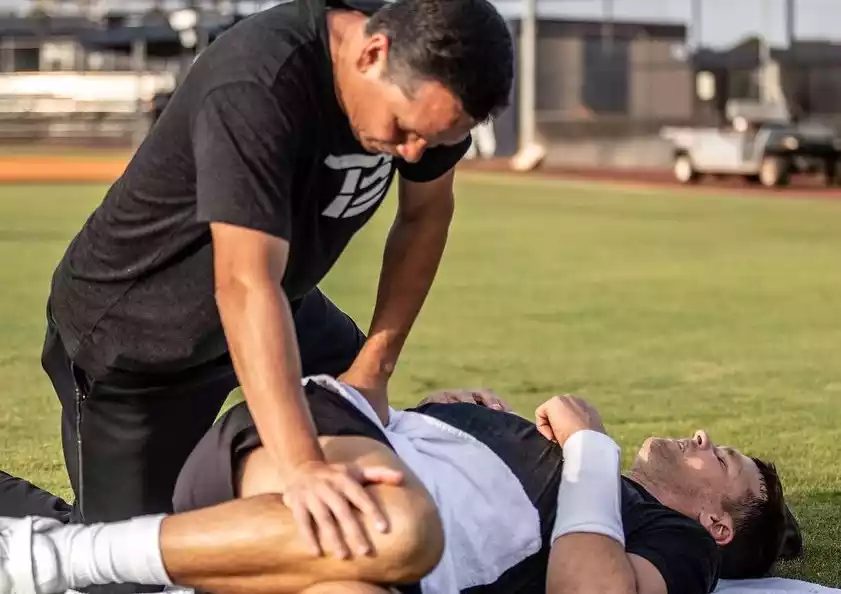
(365, 183)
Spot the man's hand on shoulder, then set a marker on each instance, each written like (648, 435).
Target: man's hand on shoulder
(560, 417)
(479, 396)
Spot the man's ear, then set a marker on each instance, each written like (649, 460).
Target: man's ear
(720, 526)
(372, 58)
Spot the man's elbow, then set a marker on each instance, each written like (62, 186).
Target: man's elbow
(580, 586)
(583, 563)
(231, 297)
(233, 291)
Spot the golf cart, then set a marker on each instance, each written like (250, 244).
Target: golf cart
(760, 144)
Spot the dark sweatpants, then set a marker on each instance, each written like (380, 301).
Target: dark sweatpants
(125, 444)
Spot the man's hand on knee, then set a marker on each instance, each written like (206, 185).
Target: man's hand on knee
(414, 542)
(258, 475)
(318, 491)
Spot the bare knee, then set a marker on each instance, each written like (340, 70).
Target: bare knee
(414, 545)
(415, 542)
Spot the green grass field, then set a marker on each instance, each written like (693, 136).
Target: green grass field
(670, 312)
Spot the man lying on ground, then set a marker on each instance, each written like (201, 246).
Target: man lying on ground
(522, 508)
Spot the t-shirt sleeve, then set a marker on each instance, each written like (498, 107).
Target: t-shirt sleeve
(685, 556)
(244, 143)
(435, 162)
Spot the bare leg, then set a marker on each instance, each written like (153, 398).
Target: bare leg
(252, 546)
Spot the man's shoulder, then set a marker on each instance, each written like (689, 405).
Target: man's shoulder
(680, 548)
(292, 21)
(264, 48)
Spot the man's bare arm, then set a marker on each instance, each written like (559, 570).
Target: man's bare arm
(255, 313)
(588, 549)
(412, 255)
(582, 563)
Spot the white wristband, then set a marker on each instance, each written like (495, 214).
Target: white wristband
(589, 496)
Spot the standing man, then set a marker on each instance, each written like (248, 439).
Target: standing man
(199, 270)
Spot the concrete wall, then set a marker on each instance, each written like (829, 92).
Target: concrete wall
(660, 87)
(560, 74)
(639, 152)
(619, 141)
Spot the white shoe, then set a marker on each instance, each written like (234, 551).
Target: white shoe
(17, 571)
(15, 577)
(5, 580)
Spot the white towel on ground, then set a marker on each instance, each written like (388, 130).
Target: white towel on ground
(772, 586)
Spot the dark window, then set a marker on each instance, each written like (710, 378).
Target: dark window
(26, 59)
(606, 72)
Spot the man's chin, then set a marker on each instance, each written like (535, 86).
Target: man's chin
(655, 446)
(375, 148)
(644, 452)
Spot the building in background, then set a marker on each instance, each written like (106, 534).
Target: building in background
(604, 88)
(40, 43)
(600, 88)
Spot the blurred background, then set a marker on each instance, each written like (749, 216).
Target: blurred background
(598, 80)
(671, 309)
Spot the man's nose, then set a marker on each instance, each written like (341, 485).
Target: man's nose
(702, 439)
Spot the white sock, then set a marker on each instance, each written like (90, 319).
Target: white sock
(76, 556)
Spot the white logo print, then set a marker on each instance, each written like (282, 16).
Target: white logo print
(359, 192)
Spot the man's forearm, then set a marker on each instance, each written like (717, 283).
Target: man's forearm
(412, 255)
(260, 332)
(588, 550)
(582, 563)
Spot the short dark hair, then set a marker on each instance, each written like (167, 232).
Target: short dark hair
(760, 525)
(464, 45)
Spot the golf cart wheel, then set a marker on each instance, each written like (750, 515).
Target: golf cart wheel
(774, 172)
(684, 170)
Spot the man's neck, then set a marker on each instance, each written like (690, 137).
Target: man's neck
(344, 28)
(650, 487)
(661, 494)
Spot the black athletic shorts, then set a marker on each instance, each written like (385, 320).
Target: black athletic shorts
(207, 478)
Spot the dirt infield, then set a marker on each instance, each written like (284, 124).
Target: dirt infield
(801, 186)
(60, 168)
(82, 167)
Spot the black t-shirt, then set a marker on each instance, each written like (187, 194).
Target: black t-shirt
(679, 547)
(254, 136)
